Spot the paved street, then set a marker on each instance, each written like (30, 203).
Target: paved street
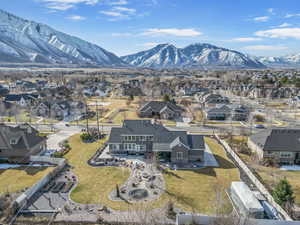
(63, 134)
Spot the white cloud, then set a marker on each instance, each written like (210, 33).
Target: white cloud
(265, 47)
(261, 19)
(292, 15)
(124, 9)
(112, 13)
(246, 39)
(285, 25)
(172, 32)
(76, 17)
(63, 5)
(120, 2)
(119, 13)
(280, 33)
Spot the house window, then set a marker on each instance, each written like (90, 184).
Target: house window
(179, 155)
(133, 138)
(149, 138)
(13, 141)
(129, 146)
(143, 138)
(286, 155)
(115, 147)
(140, 147)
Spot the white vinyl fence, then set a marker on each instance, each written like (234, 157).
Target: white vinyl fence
(21, 201)
(253, 178)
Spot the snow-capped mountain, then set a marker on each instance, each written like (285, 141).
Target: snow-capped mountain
(161, 56)
(195, 55)
(27, 41)
(292, 61)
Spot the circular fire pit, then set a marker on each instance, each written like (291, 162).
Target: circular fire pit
(138, 194)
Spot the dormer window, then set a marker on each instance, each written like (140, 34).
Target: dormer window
(13, 141)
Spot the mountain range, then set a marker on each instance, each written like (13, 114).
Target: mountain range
(193, 56)
(24, 41)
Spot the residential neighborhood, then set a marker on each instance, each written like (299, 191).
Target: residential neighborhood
(149, 112)
(193, 145)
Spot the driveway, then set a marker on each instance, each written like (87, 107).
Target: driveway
(63, 134)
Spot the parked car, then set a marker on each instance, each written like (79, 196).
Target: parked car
(259, 126)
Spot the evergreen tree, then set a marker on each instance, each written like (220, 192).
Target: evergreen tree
(283, 193)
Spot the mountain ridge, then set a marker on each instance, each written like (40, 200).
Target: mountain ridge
(193, 55)
(22, 40)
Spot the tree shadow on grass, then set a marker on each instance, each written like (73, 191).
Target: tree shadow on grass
(182, 199)
(209, 171)
(2, 171)
(224, 163)
(171, 173)
(33, 170)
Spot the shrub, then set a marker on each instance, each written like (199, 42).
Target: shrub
(86, 137)
(283, 193)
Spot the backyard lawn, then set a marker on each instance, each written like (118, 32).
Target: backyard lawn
(202, 190)
(190, 190)
(14, 180)
(94, 183)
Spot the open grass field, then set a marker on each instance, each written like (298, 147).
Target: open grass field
(14, 180)
(190, 190)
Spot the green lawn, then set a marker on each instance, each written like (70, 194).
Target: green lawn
(190, 190)
(94, 183)
(14, 180)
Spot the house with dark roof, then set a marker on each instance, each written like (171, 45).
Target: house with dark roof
(146, 137)
(17, 144)
(21, 99)
(221, 112)
(280, 144)
(211, 100)
(160, 109)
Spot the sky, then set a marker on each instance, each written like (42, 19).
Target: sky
(257, 27)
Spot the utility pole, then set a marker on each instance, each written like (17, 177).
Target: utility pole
(87, 117)
(97, 114)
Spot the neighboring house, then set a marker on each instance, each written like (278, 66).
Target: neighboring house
(295, 101)
(146, 137)
(43, 109)
(282, 145)
(240, 113)
(60, 110)
(223, 112)
(218, 113)
(17, 144)
(22, 100)
(210, 100)
(163, 110)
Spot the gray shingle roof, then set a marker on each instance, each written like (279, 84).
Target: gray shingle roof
(157, 106)
(159, 132)
(279, 139)
(24, 139)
